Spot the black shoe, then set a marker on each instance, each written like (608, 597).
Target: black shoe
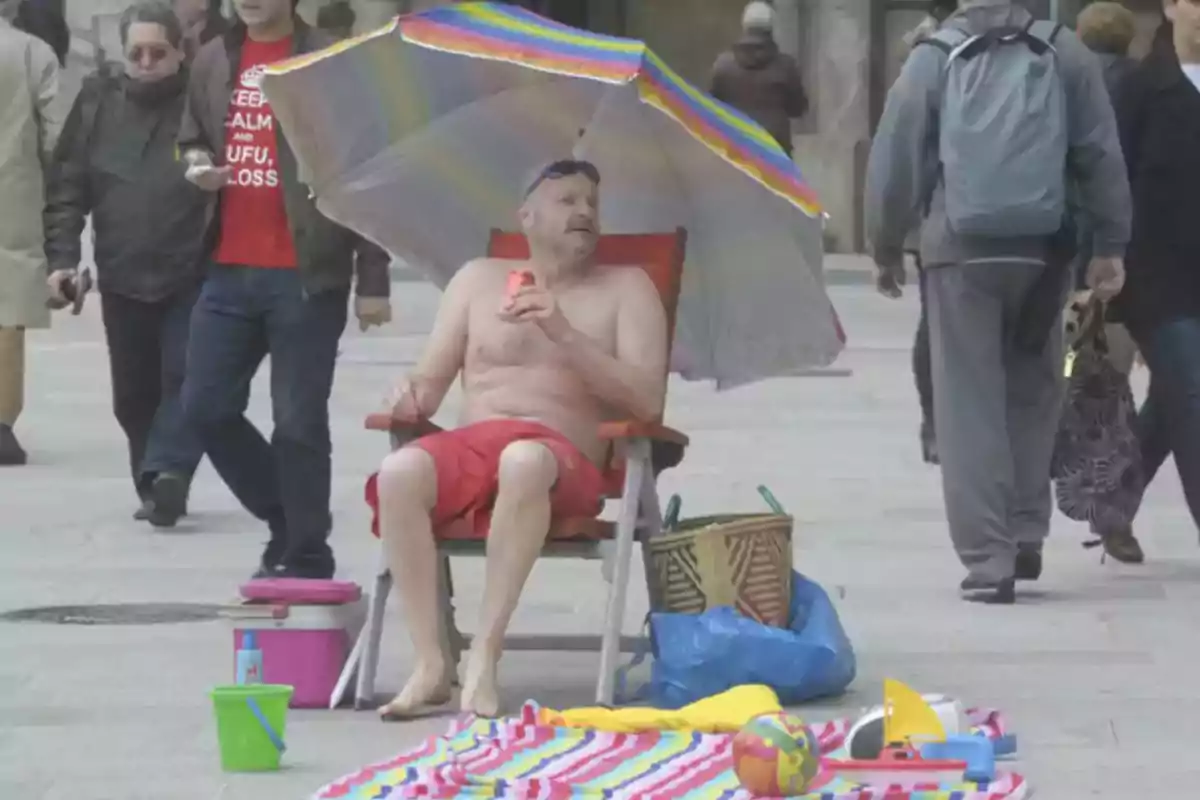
(11, 453)
(307, 568)
(976, 590)
(929, 448)
(272, 555)
(1028, 566)
(168, 500)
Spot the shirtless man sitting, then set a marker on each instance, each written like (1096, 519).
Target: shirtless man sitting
(542, 367)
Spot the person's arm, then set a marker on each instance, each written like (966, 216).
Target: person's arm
(1094, 157)
(902, 169)
(372, 268)
(795, 99)
(633, 381)
(446, 348)
(68, 195)
(192, 139)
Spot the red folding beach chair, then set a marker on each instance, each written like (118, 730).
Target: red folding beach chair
(645, 450)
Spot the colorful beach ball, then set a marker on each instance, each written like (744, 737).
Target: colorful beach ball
(776, 755)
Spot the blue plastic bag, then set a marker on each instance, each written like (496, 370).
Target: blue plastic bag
(699, 655)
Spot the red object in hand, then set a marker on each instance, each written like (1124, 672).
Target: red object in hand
(518, 278)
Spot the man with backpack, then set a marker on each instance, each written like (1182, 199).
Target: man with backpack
(990, 120)
(116, 160)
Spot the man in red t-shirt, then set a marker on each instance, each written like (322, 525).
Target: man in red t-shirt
(278, 284)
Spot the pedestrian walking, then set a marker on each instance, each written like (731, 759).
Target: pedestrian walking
(936, 14)
(1108, 30)
(116, 161)
(989, 161)
(1158, 110)
(29, 129)
(278, 284)
(759, 80)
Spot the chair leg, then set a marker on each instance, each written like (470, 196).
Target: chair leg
(636, 471)
(372, 637)
(349, 670)
(452, 640)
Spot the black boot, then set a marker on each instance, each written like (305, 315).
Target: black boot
(168, 497)
(11, 454)
(1028, 566)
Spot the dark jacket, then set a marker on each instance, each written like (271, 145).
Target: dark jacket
(328, 255)
(764, 84)
(116, 160)
(1158, 113)
(42, 19)
(1117, 69)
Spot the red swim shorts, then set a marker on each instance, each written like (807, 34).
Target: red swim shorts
(467, 460)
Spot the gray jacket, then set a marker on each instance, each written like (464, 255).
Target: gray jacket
(902, 172)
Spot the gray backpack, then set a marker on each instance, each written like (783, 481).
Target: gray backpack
(1003, 131)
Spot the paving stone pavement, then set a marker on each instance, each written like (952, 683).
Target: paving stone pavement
(1094, 669)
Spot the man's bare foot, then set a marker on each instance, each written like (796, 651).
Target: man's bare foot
(428, 688)
(481, 693)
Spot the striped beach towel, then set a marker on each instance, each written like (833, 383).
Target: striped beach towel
(523, 759)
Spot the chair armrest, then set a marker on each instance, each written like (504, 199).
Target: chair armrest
(631, 429)
(383, 421)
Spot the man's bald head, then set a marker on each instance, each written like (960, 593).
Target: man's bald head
(560, 210)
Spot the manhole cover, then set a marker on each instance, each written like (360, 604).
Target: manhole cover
(121, 614)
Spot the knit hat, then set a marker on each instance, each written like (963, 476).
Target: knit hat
(758, 16)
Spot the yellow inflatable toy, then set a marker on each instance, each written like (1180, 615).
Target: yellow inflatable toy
(727, 712)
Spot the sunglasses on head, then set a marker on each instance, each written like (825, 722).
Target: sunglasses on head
(151, 53)
(564, 169)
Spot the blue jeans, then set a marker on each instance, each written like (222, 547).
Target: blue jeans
(147, 349)
(243, 315)
(1169, 420)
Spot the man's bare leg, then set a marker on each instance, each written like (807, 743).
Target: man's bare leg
(520, 524)
(407, 494)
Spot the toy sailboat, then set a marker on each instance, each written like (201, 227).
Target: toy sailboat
(912, 742)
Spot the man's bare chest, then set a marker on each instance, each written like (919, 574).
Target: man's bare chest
(497, 342)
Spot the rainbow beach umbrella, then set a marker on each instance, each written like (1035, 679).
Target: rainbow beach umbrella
(420, 134)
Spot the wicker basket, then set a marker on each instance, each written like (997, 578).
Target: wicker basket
(739, 560)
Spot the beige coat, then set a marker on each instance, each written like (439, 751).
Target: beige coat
(31, 116)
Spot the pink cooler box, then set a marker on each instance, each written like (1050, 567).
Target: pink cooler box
(305, 630)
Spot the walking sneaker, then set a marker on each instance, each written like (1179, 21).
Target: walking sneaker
(1119, 543)
(929, 448)
(996, 593)
(11, 453)
(168, 500)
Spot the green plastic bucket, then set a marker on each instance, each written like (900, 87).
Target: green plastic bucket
(250, 725)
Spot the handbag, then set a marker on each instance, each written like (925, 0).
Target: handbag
(1097, 467)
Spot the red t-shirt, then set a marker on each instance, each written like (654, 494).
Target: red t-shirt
(254, 223)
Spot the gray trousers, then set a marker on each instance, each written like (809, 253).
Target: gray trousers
(996, 411)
